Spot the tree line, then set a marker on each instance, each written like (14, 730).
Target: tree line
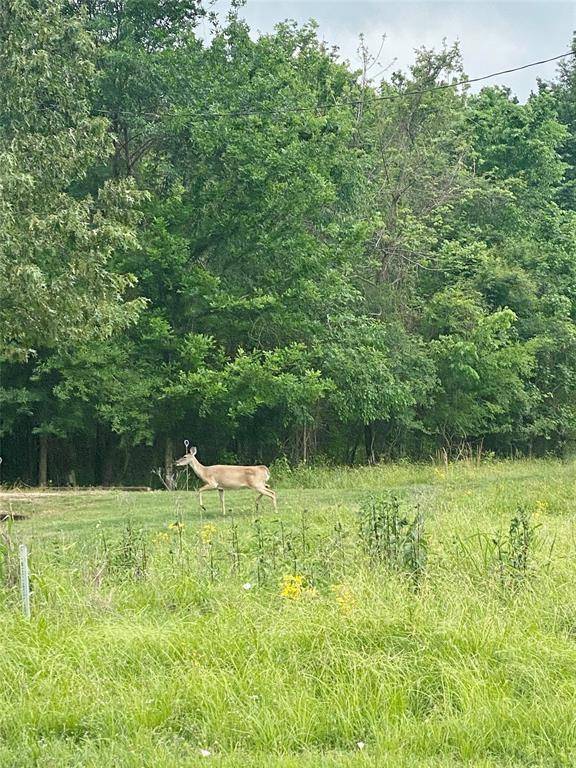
(250, 244)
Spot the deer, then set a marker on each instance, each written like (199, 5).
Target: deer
(228, 477)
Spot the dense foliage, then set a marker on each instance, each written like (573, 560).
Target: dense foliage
(244, 242)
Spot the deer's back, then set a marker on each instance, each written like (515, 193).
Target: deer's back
(233, 476)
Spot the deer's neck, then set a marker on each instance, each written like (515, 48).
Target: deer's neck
(199, 469)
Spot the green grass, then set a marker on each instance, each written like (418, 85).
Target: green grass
(144, 647)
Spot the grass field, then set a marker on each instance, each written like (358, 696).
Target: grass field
(161, 636)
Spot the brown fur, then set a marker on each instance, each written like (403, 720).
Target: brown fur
(229, 477)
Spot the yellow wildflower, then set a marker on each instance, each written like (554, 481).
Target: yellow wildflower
(162, 536)
(292, 587)
(207, 533)
(177, 526)
(343, 596)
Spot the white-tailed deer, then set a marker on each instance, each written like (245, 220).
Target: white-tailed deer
(228, 477)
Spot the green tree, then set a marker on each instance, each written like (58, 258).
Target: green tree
(564, 91)
(250, 228)
(55, 246)
(322, 263)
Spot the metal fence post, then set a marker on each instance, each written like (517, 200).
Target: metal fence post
(186, 444)
(24, 580)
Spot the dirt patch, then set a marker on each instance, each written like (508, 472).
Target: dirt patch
(49, 492)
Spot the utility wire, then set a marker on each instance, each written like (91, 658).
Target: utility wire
(317, 107)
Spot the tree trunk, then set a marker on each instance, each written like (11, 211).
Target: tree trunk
(108, 470)
(351, 451)
(43, 462)
(32, 457)
(169, 463)
(369, 443)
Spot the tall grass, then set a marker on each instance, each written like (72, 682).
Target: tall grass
(152, 645)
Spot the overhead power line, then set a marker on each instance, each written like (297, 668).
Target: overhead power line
(316, 107)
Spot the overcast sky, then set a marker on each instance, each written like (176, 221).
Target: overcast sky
(493, 35)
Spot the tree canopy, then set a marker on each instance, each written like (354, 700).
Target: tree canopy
(244, 242)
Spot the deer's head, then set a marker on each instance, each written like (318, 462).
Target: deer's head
(187, 458)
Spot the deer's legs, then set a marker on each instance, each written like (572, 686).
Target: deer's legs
(273, 497)
(266, 492)
(206, 487)
(221, 494)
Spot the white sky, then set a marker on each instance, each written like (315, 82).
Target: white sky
(493, 35)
